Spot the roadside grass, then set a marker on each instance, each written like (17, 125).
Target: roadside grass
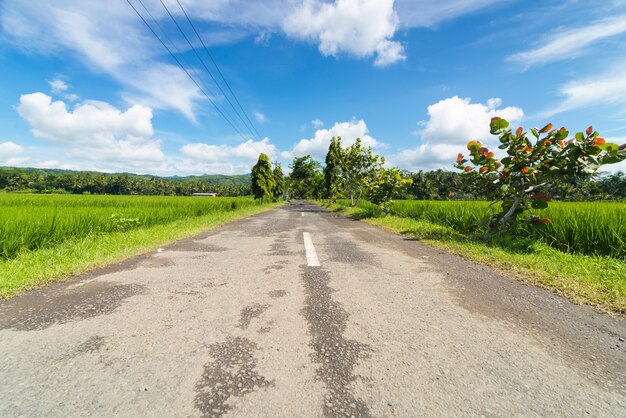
(598, 281)
(36, 268)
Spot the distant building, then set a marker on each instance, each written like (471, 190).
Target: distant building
(206, 194)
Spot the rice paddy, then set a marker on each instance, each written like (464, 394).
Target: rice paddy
(32, 222)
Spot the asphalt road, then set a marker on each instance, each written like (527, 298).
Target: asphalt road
(296, 312)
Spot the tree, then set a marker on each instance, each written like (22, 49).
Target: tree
(303, 182)
(262, 178)
(279, 178)
(389, 185)
(532, 164)
(332, 170)
(359, 168)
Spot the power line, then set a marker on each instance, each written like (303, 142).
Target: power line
(167, 38)
(186, 71)
(208, 71)
(218, 68)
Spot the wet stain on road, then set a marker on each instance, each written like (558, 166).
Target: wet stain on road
(249, 313)
(348, 252)
(274, 267)
(336, 355)
(154, 262)
(231, 374)
(40, 310)
(280, 293)
(280, 249)
(195, 246)
(92, 345)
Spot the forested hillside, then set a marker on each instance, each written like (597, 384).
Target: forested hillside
(78, 182)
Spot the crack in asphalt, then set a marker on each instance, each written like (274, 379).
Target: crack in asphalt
(336, 355)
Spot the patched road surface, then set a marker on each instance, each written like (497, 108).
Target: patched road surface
(297, 312)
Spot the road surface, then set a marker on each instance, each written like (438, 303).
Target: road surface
(297, 312)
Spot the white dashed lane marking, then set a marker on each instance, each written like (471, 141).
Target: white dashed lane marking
(311, 254)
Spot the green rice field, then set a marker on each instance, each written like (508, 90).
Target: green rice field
(32, 222)
(590, 228)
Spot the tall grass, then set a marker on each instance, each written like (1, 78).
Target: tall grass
(31, 222)
(592, 228)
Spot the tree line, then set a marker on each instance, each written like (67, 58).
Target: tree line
(309, 179)
(355, 172)
(84, 182)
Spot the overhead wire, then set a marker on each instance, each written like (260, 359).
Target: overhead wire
(208, 70)
(206, 49)
(182, 67)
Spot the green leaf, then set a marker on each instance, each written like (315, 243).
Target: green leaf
(579, 136)
(539, 204)
(612, 159)
(560, 135)
(609, 147)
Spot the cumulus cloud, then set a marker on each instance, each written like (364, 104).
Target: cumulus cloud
(247, 151)
(10, 154)
(97, 136)
(570, 43)
(318, 145)
(10, 148)
(452, 123)
(93, 130)
(357, 27)
(457, 121)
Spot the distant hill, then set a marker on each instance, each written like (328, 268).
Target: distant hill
(44, 180)
(220, 179)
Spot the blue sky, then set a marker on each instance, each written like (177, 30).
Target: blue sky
(85, 85)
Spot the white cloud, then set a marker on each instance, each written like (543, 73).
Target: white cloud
(108, 37)
(452, 123)
(260, 117)
(317, 123)
(58, 86)
(607, 89)
(247, 151)
(570, 43)
(263, 38)
(317, 146)
(428, 13)
(15, 161)
(93, 130)
(10, 148)
(358, 27)
(10, 154)
(457, 121)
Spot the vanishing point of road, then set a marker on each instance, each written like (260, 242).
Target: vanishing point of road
(298, 312)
